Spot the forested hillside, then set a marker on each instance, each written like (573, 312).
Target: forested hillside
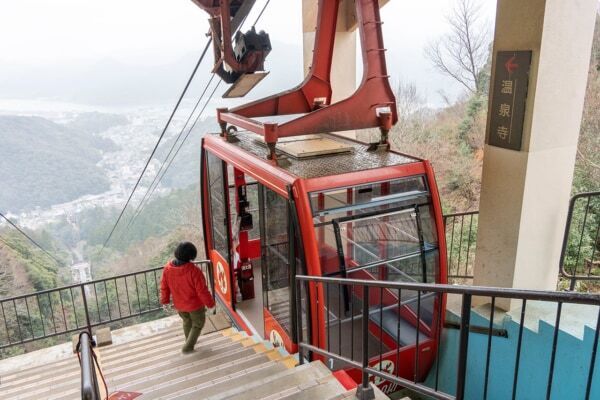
(24, 268)
(44, 163)
(587, 171)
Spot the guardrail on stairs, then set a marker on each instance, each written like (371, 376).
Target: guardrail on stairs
(513, 377)
(90, 388)
(69, 309)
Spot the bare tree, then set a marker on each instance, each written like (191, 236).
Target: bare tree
(409, 104)
(463, 52)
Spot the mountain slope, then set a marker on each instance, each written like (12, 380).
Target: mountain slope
(43, 163)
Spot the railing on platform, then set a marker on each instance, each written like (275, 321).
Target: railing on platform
(580, 257)
(73, 308)
(356, 349)
(580, 254)
(461, 239)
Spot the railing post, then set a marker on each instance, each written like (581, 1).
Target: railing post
(211, 280)
(365, 391)
(299, 338)
(85, 308)
(463, 347)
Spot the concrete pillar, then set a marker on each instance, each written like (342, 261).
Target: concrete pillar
(524, 194)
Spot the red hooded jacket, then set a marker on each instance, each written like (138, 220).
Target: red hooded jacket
(187, 285)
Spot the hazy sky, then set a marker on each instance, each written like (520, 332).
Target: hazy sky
(154, 32)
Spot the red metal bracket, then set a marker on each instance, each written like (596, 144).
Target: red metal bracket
(226, 17)
(307, 109)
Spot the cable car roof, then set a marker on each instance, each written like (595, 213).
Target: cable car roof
(355, 160)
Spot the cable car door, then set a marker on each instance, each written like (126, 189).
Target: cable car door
(276, 267)
(219, 251)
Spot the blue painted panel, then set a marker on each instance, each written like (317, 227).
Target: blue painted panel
(572, 363)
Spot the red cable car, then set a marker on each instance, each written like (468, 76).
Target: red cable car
(350, 213)
(286, 198)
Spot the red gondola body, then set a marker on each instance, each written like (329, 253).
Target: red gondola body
(378, 210)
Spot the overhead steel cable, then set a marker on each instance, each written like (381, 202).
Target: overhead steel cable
(190, 79)
(188, 119)
(171, 150)
(36, 244)
(177, 152)
(151, 189)
(261, 13)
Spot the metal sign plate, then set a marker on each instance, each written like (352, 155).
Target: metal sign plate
(509, 95)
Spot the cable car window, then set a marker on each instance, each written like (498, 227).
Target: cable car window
(385, 229)
(252, 196)
(372, 195)
(275, 255)
(389, 246)
(217, 184)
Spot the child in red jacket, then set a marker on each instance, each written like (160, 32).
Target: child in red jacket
(186, 284)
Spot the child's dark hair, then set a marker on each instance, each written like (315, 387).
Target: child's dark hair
(185, 252)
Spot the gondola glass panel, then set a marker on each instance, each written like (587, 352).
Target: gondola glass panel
(275, 256)
(217, 184)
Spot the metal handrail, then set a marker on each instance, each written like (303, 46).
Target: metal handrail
(89, 381)
(72, 308)
(369, 290)
(461, 239)
(573, 276)
(483, 291)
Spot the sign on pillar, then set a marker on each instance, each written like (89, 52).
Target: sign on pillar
(509, 95)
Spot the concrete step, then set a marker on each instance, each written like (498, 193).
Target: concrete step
(159, 336)
(197, 376)
(182, 365)
(207, 383)
(172, 346)
(35, 371)
(226, 365)
(125, 349)
(36, 388)
(323, 388)
(114, 370)
(290, 378)
(112, 363)
(20, 374)
(63, 385)
(115, 348)
(51, 384)
(138, 382)
(120, 373)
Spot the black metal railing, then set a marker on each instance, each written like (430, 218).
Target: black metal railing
(363, 348)
(461, 240)
(90, 387)
(580, 254)
(65, 310)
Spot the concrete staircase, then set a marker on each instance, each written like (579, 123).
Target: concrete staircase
(227, 364)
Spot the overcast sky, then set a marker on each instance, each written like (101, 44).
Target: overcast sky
(59, 33)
